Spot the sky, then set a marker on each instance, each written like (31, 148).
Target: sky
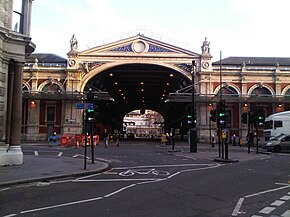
(235, 27)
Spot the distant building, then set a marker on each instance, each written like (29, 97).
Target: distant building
(15, 45)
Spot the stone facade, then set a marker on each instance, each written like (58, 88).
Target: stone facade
(15, 44)
(245, 82)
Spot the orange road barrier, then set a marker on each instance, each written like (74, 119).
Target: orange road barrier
(67, 140)
(96, 140)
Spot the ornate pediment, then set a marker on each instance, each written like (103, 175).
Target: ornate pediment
(138, 44)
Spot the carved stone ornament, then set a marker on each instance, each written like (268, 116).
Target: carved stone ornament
(71, 62)
(205, 65)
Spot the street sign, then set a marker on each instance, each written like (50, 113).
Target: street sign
(80, 105)
(85, 106)
(89, 106)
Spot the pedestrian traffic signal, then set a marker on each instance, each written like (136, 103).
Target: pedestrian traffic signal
(245, 118)
(90, 115)
(213, 114)
(221, 118)
(189, 119)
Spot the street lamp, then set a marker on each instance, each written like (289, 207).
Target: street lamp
(193, 133)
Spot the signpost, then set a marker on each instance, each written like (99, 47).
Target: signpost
(89, 107)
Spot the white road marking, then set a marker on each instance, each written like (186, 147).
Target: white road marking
(166, 165)
(60, 154)
(80, 155)
(267, 210)
(146, 181)
(62, 205)
(112, 180)
(10, 215)
(277, 203)
(36, 153)
(285, 198)
(235, 212)
(4, 189)
(238, 206)
(256, 216)
(267, 191)
(286, 214)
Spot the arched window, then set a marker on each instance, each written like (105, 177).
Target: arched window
(287, 94)
(51, 88)
(229, 91)
(261, 91)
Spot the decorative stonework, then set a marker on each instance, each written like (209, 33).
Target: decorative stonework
(139, 46)
(157, 49)
(88, 66)
(186, 67)
(125, 48)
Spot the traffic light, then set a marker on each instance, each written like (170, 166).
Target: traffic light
(252, 117)
(90, 96)
(189, 119)
(221, 118)
(245, 118)
(222, 106)
(213, 114)
(96, 111)
(260, 116)
(90, 115)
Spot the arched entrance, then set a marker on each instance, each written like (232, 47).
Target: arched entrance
(136, 86)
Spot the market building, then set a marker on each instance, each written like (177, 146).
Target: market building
(144, 73)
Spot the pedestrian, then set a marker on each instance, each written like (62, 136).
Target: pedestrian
(234, 140)
(105, 138)
(212, 141)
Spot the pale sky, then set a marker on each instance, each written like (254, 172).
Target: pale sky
(235, 27)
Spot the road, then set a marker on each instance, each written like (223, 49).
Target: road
(147, 180)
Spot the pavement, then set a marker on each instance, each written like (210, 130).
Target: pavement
(43, 168)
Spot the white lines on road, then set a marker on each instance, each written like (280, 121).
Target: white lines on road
(238, 207)
(36, 153)
(241, 200)
(141, 182)
(285, 198)
(286, 214)
(60, 154)
(267, 210)
(277, 203)
(166, 165)
(5, 189)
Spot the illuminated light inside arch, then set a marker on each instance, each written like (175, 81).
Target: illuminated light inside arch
(139, 125)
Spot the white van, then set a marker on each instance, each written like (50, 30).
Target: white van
(277, 124)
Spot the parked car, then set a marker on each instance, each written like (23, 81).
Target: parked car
(278, 143)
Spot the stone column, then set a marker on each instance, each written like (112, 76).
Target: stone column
(13, 154)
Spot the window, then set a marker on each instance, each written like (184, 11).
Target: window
(50, 113)
(268, 125)
(17, 19)
(278, 124)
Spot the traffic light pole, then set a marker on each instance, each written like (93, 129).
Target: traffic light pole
(92, 143)
(85, 129)
(257, 141)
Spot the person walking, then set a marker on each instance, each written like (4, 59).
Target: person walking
(105, 138)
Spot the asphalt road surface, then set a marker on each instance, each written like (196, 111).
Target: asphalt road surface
(147, 180)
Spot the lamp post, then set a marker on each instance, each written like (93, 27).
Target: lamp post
(193, 133)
